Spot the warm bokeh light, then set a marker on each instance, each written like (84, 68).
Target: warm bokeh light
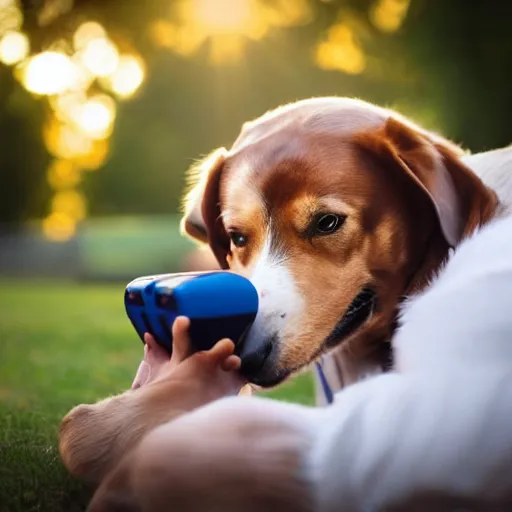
(341, 51)
(50, 73)
(87, 32)
(288, 13)
(65, 141)
(71, 203)
(224, 16)
(78, 138)
(11, 17)
(100, 57)
(389, 15)
(14, 47)
(95, 117)
(60, 45)
(95, 158)
(128, 77)
(83, 77)
(175, 37)
(79, 124)
(164, 34)
(59, 227)
(228, 47)
(226, 24)
(66, 106)
(63, 174)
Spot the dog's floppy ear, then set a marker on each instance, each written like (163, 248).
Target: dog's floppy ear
(201, 220)
(460, 199)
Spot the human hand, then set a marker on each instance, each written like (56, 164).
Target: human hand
(217, 367)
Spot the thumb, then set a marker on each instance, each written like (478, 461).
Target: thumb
(141, 375)
(220, 352)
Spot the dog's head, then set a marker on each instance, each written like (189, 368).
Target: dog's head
(334, 209)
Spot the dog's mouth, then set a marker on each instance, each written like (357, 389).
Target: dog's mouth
(356, 315)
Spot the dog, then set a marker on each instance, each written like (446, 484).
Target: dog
(433, 434)
(335, 209)
(95, 438)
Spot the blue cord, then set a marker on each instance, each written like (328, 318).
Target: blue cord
(325, 385)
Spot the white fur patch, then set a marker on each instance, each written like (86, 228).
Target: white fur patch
(280, 300)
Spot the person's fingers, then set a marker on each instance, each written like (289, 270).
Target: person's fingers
(141, 375)
(181, 347)
(154, 354)
(220, 351)
(231, 363)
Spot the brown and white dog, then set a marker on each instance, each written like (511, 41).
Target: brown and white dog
(335, 209)
(433, 434)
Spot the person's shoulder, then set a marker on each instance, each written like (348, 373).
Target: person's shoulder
(464, 314)
(487, 250)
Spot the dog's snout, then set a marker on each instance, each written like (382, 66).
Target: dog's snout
(253, 361)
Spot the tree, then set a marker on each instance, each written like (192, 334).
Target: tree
(443, 63)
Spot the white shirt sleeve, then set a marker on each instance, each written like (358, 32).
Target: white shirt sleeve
(395, 437)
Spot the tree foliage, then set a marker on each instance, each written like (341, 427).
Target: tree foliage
(446, 66)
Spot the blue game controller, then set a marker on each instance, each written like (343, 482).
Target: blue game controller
(219, 304)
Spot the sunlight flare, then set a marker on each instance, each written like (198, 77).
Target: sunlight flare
(14, 47)
(50, 73)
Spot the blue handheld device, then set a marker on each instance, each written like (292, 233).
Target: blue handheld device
(219, 304)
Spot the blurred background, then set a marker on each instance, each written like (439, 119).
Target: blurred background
(104, 104)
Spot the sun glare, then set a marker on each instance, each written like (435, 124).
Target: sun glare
(14, 47)
(87, 32)
(341, 51)
(96, 116)
(78, 78)
(11, 17)
(62, 174)
(223, 16)
(71, 203)
(100, 57)
(50, 73)
(66, 142)
(227, 24)
(59, 227)
(128, 76)
(389, 15)
(95, 157)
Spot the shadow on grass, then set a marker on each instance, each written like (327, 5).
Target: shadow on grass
(32, 477)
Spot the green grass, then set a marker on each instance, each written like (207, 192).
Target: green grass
(62, 344)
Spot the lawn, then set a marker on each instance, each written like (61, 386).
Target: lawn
(62, 344)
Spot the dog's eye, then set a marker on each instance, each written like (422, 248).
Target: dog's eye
(238, 239)
(328, 223)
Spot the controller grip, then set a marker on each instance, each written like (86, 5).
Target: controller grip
(219, 305)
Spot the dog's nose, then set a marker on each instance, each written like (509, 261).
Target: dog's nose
(253, 361)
